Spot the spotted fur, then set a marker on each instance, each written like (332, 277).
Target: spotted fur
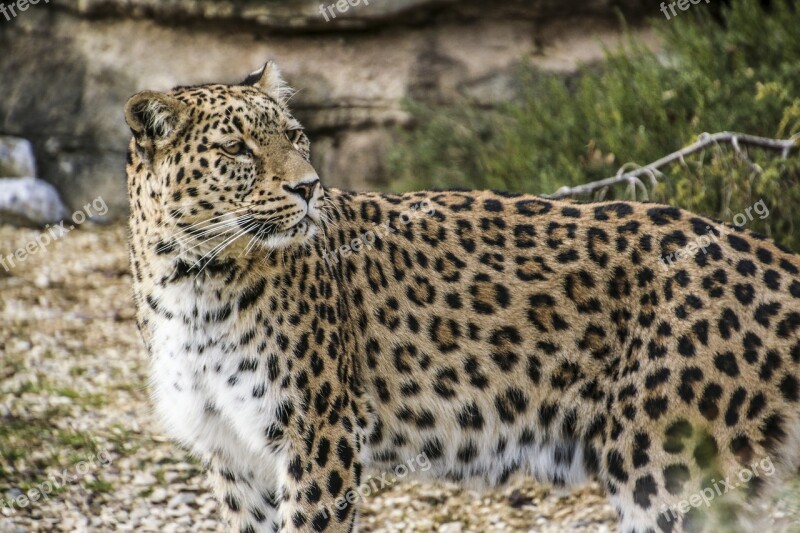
(496, 333)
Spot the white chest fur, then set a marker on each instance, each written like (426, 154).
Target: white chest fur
(210, 387)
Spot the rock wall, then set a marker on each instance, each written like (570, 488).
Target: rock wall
(68, 66)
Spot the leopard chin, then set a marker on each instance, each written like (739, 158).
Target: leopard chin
(300, 234)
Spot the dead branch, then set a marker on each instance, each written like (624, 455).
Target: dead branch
(632, 178)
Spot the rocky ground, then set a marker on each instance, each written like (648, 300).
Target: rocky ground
(77, 432)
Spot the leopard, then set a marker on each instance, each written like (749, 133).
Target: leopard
(303, 339)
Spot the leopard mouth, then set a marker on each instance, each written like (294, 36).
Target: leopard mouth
(300, 226)
(266, 231)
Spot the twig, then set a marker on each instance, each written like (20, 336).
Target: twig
(786, 146)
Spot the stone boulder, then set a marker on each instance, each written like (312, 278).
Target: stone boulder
(16, 157)
(24, 199)
(30, 202)
(68, 67)
(310, 15)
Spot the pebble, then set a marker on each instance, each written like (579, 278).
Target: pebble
(184, 498)
(159, 495)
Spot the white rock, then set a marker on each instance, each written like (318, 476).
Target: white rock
(159, 495)
(144, 478)
(450, 527)
(16, 157)
(42, 281)
(186, 498)
(30, 201)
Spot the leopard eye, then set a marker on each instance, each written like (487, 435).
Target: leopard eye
(294, 136)
(235, 148)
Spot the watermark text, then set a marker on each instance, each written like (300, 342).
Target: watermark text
(51, 234)
(10, 11)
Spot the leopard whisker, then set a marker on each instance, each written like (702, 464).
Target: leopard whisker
(219, 231)
(218, 250)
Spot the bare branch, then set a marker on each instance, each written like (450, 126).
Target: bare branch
(786, 146)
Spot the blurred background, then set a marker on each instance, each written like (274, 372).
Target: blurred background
(520, 95)
(524, 95)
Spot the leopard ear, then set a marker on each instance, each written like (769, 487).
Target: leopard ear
(268, 80)
(154, 118)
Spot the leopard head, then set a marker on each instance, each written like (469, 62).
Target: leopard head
(221, 167)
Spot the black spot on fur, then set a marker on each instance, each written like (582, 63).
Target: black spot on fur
(644, 489)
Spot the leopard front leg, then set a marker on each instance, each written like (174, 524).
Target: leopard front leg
(248, 497)
(319, 489)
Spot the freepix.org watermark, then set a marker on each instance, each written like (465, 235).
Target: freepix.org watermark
(683, 5)
(11, 10)
(51, 234)
(341, 7)
(419, 463)
(56, 482)
(712, 235)
(718, 488)
(367, 239)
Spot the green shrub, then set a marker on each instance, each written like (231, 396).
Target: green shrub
(740, 72)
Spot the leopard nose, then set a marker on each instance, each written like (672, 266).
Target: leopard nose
(304, 190)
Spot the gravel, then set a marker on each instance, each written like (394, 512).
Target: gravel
(74, 407)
